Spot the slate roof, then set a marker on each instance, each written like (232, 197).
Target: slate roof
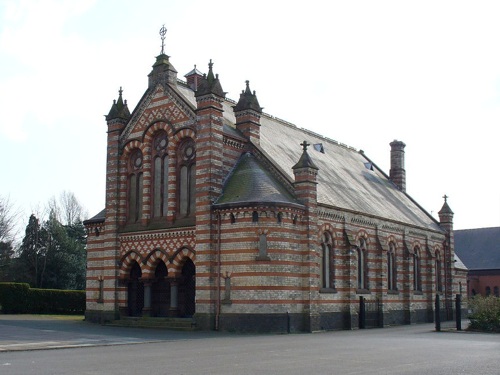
(479, 249)
(250, 182)
(347, 179)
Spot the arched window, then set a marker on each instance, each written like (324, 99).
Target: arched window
(233, 218)
(362, 265)
(439, 277)
(160, 174)
(255, 217)
(417, 271)
(279, 218)
(495, 291)
(327, 269)
(391, 268)
(135, 186)
(187, 178)
(488, 291)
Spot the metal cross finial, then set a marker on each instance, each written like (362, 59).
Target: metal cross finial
(120, 91)
(445, 198)
(304, 145)
(163, 31)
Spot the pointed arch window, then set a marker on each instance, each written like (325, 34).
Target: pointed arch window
(391, 268)
(327, 268)
(362, 265)
(417, 270)
(135, 185)
(160, 174)
(187, 178)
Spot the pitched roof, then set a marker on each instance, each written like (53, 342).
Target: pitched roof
(347, 179)
(479, 249)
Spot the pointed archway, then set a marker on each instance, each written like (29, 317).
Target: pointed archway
(135, 291)
(160, 292)
(187, 289)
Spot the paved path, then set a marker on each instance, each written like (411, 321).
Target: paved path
(93, 349)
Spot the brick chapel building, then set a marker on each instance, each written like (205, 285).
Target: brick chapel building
(220, 213)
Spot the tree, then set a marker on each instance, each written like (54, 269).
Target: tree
(32, 252)
(8, 217)
(53, 255)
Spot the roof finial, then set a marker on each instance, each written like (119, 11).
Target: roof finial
(304, 145)
(163, 31)
(120, 91)
(445, 198)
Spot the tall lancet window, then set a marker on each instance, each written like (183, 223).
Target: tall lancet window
(362, 265)
(187, 178)
(160, 174)
(135, 186)
(391, 268)
(327, 269)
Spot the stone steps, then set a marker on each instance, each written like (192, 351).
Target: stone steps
(177, 324)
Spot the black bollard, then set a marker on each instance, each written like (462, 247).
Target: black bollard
(437, 311)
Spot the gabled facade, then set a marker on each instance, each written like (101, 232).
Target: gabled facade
(219, 212)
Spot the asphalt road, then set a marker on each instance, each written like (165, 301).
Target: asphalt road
(76, 347)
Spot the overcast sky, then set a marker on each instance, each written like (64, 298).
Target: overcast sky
(360, 72)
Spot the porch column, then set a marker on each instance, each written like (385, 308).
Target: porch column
(174, 297)
(146, 310)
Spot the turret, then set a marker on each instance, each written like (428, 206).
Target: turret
(247, 112)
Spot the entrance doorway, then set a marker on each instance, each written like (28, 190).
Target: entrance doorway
(187, 289)
(135, 291)
(160, 292)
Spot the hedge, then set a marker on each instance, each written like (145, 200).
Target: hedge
(485, 313)
(19, 298)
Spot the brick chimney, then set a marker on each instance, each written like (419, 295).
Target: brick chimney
(397, 173)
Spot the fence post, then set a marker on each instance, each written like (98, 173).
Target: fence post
(458, 311)
(437, 313)
(362, 312)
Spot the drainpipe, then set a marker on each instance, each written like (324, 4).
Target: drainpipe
(217, 306)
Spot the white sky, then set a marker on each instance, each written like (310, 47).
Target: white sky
(361, 72)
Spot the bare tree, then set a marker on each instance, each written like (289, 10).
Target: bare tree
(8, 218)
(71, 208)
(66, 209)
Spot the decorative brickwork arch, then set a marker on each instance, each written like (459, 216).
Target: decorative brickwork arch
(152, 260)
(154, 128)
(127, 261)
(182, 134)
(131, 146)
(178, 260)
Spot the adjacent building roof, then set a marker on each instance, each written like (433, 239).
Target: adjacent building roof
(479, 249)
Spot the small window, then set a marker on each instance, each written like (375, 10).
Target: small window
(488, 291)
(232, 218)
(295, 220)
(279, 218)
(495, 292)
(255, 217)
